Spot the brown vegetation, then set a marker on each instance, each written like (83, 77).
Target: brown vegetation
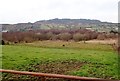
(54, 34)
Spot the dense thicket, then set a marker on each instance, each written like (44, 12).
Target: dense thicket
(66, 35)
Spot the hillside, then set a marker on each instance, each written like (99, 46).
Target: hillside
(56, 23)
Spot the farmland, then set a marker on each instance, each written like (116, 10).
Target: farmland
(60, 57)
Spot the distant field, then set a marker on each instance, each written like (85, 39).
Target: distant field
(71, 44)
(71, 58)
(107, 41)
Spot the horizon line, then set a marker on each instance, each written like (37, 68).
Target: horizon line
(56, 18)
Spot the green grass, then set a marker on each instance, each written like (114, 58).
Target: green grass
(72, 44)
(101, 61)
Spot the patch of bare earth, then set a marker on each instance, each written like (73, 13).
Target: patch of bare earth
(60, 67)
(107, 41)
(63, 67)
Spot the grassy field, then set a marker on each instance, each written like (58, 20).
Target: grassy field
(82, 59)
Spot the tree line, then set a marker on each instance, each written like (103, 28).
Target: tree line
(54, 34)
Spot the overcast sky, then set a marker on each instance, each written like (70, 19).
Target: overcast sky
(22, 11)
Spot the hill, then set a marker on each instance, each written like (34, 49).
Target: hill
(94, 25)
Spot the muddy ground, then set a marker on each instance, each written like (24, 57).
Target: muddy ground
(60, 67)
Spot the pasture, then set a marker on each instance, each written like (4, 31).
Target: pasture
(70, 58)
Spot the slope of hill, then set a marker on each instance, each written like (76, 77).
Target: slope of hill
(61, 24)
